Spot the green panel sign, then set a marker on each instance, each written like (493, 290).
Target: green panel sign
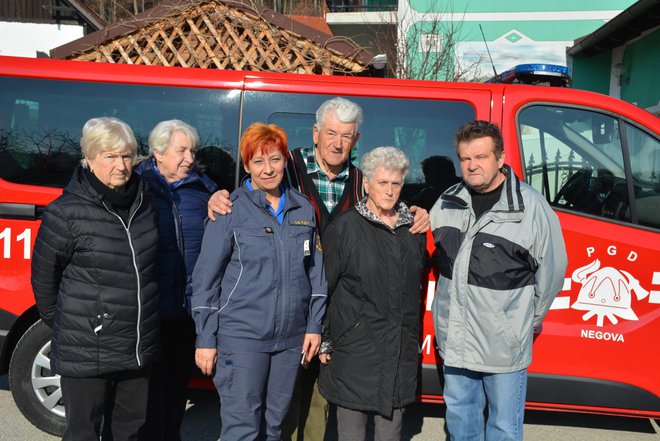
(514, 31)
(470, 6)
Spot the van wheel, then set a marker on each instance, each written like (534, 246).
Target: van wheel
(36, 390)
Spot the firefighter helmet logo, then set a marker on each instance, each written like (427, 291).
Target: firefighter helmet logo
(606, 292)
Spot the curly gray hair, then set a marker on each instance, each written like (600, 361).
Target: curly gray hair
(161, 135)
(345, 110)
(390, 158)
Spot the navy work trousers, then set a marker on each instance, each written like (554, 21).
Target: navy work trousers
(255, 391)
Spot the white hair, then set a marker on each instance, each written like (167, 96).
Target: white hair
(390, 158)
(161, 135)
(346, 111)
(106, 134)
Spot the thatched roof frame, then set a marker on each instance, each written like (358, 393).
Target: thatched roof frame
(214, 34)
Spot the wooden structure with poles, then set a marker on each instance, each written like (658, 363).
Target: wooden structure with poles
(215, 34)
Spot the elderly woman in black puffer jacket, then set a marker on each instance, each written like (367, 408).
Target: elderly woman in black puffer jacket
(93, 277)
(374, 264)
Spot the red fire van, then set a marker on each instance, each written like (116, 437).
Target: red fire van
(594, 158)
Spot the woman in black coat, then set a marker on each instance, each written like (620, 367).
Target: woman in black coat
(374, 266)
(93, 277)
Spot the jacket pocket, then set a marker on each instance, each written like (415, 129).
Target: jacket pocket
(256, 243)
(511, 338)
(493, 329)
(255, 255)
(224, 373)
(98, 321)
(302, 239)
(344, 334)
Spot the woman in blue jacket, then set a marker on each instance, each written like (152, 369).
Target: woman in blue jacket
(180, 193)
(259, 292)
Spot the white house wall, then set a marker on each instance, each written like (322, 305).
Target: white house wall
(25, 39)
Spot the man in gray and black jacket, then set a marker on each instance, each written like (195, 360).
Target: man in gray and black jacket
(502, 261)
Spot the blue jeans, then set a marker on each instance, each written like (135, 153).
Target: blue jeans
(466, 394)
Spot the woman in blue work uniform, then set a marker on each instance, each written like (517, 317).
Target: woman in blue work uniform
(259, 292)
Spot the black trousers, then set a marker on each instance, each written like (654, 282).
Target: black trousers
(168, 387)
(122, 396)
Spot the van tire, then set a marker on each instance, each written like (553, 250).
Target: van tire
(40, 403)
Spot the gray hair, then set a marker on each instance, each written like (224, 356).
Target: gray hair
(161, 135)
(346, 111)
(390, 158)
(106, 134)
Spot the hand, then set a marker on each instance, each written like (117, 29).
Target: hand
(206, 358)
(421, 222)
(311, 345)
(324, 358)
(219, 203)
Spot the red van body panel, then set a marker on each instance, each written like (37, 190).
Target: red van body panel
(580, 344)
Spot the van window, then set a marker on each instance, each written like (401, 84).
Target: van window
(423, 129)
(592, 163)
(41, 123)
(645, 170)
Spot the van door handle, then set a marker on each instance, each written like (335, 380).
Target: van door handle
(18, 211)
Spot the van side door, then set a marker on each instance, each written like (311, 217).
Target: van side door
(597, 162)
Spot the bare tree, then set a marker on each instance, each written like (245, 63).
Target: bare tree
(423, 46)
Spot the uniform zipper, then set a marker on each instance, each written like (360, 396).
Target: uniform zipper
(281, 258)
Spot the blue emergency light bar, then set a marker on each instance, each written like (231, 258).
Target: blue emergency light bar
(551, 74)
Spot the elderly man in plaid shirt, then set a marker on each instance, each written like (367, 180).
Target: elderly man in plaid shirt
(324, 173)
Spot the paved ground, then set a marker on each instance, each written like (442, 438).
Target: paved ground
(423, 422)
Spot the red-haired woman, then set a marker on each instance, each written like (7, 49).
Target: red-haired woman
(259, 293)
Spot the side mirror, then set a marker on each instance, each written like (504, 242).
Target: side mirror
(602, 129)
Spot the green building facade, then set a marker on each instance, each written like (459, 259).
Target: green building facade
(621, 59)
(515, 32)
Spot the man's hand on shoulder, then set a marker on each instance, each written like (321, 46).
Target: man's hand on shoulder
(219, 203)
(421, 222)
